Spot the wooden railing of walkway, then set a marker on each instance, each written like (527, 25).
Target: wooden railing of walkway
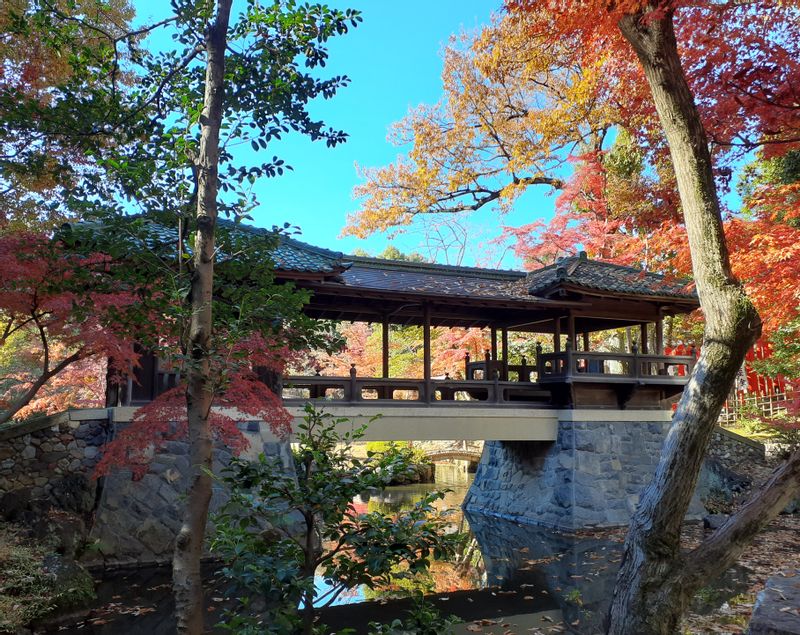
(533, 388)
(409, 392)
(579, 366)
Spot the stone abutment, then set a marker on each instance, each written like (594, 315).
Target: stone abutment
(590, 476)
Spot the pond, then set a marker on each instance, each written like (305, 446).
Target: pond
(508, 578)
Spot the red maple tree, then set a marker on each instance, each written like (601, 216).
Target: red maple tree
(67, 309)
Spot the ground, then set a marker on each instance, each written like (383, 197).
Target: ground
(776, 550)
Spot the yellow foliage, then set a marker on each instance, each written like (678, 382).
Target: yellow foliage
(514, 106)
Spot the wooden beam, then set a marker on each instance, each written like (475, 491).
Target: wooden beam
(504, 340)
(426, 351)
(385, 345)
(660, 336)
(557, 335)
(643, 338)
(571, 330)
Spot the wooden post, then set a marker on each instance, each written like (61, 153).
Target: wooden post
(466, 366)
(660, 335)
(494, 344)
(644, 338)
(504, 340)
(426, 351)
(571, 330)
(538, 361)
(385, 343)
(557, 335)
(586, 341)
(353, 387)
(569, 368)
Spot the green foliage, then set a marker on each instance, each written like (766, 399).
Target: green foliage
(574, 596)
(423, 619)
(28, 591)
(783, 429)
(277, 531)
(398, 450)
(785, 354)
(625, 158)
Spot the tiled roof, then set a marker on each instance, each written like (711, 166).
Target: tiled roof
(432, 279)
(293, 255)
(289, 255)
(604, 276)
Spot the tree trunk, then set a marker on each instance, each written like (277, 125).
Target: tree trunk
(187, 580)
(652, 590)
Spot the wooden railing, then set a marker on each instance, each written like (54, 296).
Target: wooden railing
(550, 369)
(487, 367)
(355, 389)
(570, 365)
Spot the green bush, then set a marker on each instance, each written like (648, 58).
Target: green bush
(269, 556)
(400, 449)
(30, 590)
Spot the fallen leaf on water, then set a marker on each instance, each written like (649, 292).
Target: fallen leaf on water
(474, 628)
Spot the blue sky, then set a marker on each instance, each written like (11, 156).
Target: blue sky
(394, 63)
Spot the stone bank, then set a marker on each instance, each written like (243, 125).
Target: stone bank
(48, 463)
(590, 476)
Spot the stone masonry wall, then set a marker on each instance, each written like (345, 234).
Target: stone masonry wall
(48, 463)
(591, 476)
(35, 455)
(734, 450)
(137, 521)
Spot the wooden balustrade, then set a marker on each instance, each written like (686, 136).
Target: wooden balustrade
(412, 391)
(571, 365)
(551, 370)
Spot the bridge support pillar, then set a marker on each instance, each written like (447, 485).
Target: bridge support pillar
(590, 476)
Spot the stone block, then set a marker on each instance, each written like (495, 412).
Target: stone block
(176, 447)
(563, 496)
(155, 536)
(777, 608)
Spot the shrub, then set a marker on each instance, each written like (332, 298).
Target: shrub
(266, 558)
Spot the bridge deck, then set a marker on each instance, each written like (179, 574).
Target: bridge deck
(433, 423)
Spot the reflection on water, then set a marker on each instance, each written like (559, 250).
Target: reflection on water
(512, 578)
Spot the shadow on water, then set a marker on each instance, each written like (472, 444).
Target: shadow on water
(509, 577)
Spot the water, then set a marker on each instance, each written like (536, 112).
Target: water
(512, 578)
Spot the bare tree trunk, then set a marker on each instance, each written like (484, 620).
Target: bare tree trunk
(187, 581)
(655, 581)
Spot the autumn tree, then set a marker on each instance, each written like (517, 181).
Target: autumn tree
(655, 580)
(58, 122)
(693, 87)
(160, 129)
(510, 116)
(61, 312)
